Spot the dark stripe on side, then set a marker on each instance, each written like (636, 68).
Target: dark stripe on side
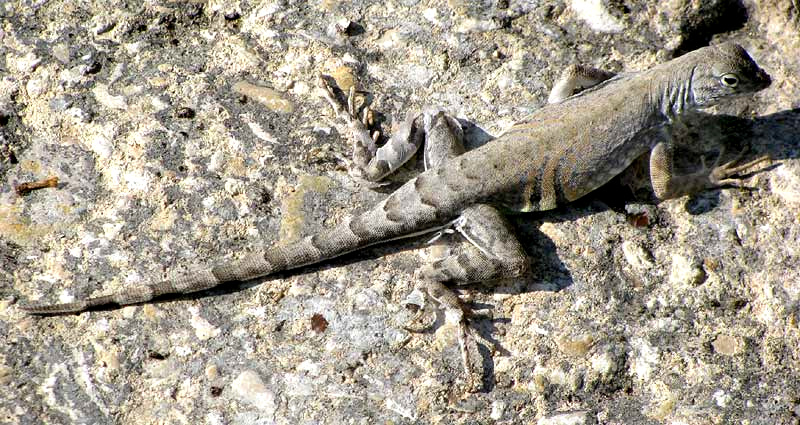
(561, 180)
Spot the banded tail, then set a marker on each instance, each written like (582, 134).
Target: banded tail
(407, 212)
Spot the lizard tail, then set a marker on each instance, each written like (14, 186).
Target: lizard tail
(250, 267)
(402, 214)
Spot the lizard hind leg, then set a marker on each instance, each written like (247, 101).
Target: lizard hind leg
(576, 78)
(489, 251)
(444, 137)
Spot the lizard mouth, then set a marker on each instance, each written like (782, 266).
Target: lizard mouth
(763, 80)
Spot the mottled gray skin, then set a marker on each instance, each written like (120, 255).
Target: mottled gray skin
(552, 157)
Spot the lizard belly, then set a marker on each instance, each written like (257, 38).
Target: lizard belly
(589, 169)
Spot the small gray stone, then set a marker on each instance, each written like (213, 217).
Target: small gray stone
(637, 256)
(249, 388)
(60, 103)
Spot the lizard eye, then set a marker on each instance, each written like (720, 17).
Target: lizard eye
(729, 80)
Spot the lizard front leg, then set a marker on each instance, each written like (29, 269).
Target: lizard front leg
(667, 185)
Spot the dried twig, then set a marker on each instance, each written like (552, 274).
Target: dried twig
(24, 188)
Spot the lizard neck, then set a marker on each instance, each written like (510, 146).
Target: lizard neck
(673, 91)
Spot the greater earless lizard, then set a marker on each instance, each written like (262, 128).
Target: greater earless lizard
(553, 156)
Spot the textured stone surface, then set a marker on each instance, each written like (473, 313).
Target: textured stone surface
(182, 132)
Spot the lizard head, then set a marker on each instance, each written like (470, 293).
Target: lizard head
(724, 71)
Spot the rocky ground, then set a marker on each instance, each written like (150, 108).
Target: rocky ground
(182, 132)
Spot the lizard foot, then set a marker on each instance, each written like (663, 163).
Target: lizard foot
(725, 174)
(364, 142)
(471, 359)
(347, 110)
(372, 163)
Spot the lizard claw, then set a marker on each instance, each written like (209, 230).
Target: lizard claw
(358, 119)
(347, 109)
(330, 95)
(722, 175)
(454, 315)
(471, 358)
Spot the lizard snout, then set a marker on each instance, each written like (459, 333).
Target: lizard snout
(763, 79)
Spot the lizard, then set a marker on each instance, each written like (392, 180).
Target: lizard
(555, 155)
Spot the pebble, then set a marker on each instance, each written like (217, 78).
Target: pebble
(596, 16)
(686, 271)
(268, 97)
(249, 388)
(108, 100)
(203, 329)
(25, 64)
(638, 257)
(728, 345)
